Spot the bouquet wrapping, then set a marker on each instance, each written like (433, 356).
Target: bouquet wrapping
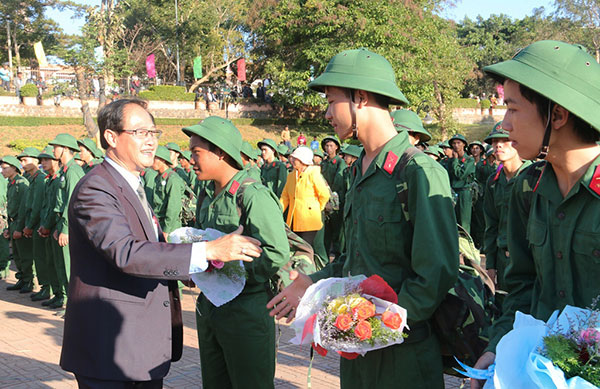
(351, 316)
(220, 282)
(530, 354)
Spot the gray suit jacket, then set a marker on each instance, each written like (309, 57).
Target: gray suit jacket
(123, 317)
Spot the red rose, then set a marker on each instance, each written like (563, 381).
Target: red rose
(343, 322)
(363, 330)
(320, 350)
(391, 319)
(364, 310)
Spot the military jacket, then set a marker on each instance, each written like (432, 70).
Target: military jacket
(412, 246)
(261, 218)
(483, 170)
(35, 199)
(90, 165)
(169, 189)
(184, 174)
(273, 176)
(16, 208)
(495, 211)
(70, 175)
(554, 245)
(253, 171)
(461, 172)
(3, 214)
(333, 171)
(49, 218)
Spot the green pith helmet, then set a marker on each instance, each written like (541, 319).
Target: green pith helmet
(319, 153)
(489, 152)
(13, 161)
(460, 137)
(77, 156)
(353, 150)
(476, 143)
(186, 154)
(496, 133)
(433, 150)
(29, 152)
(248, 151)
(360, 69)
(48, 152)
(163, 153)
(65, 140)
(408, 120)
(221, 133)
(564, 73)
(332, 139)
(343, 147)
(445, 145)
(268, 142)
(91, 146)
(283, 150)
(173, 147)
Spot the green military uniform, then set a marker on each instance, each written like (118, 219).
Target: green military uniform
(478, 189)
(35, 199)
(237, 339)
(406, 120)
(333, 172)
(148, 177)
(553, 240)
(70, 174)
(462, 177)
(172, 146)
(4, 245)
(169, 189)
(252, 170)
(399, 242)
(190, 178)
(273, 174)
(17, 191)
(48, 220)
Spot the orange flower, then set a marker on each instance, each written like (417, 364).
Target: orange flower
(363, 330)
(391, 319)
(364, 310)
(343, 322)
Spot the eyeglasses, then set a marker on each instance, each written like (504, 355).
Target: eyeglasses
(144, 133)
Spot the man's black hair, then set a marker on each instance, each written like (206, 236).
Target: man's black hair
(111, 116)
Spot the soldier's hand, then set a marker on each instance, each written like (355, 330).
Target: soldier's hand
(454, 154)
(233, 247)
(286, 302)
(28, 232)
(482, 363)
(492, 273)
(17, 235)
(63, 239)
(6, 233)
(43, 232)
(55, 235)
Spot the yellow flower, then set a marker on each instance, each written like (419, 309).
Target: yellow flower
(355, 300)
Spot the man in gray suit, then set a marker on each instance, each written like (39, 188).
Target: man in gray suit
(123, 323)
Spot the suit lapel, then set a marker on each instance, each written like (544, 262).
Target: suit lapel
(132, 198)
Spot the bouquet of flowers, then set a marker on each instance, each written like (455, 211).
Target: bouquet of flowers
(351, 316)
(564, 352)
(221, 282)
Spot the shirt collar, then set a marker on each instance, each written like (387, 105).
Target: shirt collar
(133, 180)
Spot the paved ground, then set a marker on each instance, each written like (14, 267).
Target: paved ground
(31, 338)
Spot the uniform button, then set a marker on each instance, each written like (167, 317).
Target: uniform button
(562, 293)
(596, 253)
(559, 255)
(380, 218)
(561, 215)
(166, 303)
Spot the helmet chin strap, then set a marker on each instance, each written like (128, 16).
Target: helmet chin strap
(545, 142)
(353, 115)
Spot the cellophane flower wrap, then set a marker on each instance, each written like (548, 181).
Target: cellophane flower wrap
(221, 282)
(351, 316)
(563, 352)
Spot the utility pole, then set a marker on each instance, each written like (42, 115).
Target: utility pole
(177, 43)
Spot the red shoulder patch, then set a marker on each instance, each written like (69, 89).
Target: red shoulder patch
(390, 162)
(595, 182)
(234, 187)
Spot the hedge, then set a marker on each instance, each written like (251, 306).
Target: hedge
(167, 93)
(29, 90)
(20, 144)
(485, 104)
(465, 103)
(29, 121)
(4, 92)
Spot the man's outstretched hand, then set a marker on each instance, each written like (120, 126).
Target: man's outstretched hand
(286, 302)
(233, 247)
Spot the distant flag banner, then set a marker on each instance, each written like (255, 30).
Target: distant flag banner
(150, 68)
(39, 54)
(198, 67)
(241, 69)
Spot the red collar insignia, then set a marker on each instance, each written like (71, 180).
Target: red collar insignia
(48, 176)
(143, 173)
(484, 163)
(498, 172)
(595, 182)
(65, 168)
(165, 174)
(463, 160)
(234, 187)
(390, 162)
(13, 181)
(273, 164)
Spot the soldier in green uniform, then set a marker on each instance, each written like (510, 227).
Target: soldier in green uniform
(477, 150)
(273, 172)
(175, 153)
(496, 202)
(318, 157)
(47, 222)
(284, 153)
(461, 169)
(65, 147)
(552, 90)
(169, 190)
(184, 161)
(237, 339)
(434, 152)
(332, 169)
(35, 197)
(18, 187)
(405, 120)
(89, 153)
(248, 155)
(385, 236)
(4, 245)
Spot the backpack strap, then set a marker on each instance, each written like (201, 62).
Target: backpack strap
(534, 176)
(401, 188)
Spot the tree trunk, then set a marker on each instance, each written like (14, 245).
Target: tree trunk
(208, 74)
(88, 120)
(440, 111)
(101, 93)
